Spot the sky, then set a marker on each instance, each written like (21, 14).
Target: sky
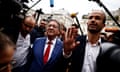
(73, 6)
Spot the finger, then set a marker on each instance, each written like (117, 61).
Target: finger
(68, 33)
(71, 33)
(63, 35)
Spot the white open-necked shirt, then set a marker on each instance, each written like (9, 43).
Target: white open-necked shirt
(91, 54)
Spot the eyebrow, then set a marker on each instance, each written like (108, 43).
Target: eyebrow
(27, 25)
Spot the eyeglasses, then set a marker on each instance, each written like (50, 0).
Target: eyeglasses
(52, 26)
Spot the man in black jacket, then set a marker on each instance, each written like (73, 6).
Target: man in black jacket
(84, 52)
(109, 59)
(91, 53)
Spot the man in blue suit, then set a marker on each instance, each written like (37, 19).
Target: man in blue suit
(40, 47)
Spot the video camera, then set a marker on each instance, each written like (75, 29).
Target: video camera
(10, 10)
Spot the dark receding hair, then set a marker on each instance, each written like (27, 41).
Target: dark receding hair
(5, 41)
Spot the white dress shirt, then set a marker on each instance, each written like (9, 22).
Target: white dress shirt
(52, 47)
(91, 53)
(21, 52)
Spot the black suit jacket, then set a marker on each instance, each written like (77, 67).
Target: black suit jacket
(77, 57)
(109, 58)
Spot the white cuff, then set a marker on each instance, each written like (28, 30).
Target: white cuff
(65, 55)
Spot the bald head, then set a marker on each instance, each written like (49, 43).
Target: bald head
(100, 12)
(30, 20)
(96, 21)
(27, 25)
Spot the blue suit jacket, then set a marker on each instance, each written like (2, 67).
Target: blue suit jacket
(38, 49)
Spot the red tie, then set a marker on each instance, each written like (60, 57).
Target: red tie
(46, 55)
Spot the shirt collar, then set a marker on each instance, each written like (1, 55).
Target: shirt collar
(53, 41)
(99, 41)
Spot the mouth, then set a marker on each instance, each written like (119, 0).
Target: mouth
(50, 31)
(92, 25)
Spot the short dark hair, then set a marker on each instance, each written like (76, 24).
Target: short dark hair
(44, 20)
(76, 26)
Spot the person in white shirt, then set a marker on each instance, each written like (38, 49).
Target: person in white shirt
(23, 44)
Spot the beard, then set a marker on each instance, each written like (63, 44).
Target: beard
(94, 30)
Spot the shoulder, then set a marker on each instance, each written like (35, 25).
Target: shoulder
(40, 39)
(107, 47)
(110, 51)
(59, 41)
(103, 40)
(110, 58)
(81, 37)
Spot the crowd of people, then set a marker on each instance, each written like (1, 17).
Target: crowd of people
(51, 47)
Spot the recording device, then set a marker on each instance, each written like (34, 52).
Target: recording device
(22, 1)
(10, 11)
(94, 0)
(51, 3)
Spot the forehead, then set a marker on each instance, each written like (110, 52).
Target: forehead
(6, 54)
(29, 21)
(97, 13)
(53, 22)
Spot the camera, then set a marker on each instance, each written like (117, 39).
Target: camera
(11, 14)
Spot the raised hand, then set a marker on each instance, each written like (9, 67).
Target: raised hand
(69, 41)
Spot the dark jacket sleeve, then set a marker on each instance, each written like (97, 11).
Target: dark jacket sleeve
(109, 59)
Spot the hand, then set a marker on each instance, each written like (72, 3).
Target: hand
(69, 41)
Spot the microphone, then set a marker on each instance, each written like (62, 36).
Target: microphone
(73, 15)
(51, 3)
(94, 0)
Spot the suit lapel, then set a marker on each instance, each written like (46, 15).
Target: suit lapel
(39, 49)
(77, 62)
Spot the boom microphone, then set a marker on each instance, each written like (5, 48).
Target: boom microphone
(94, 0)
(51, 3)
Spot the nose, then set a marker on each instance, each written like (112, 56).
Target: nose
(51, 27)
(92, 20)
